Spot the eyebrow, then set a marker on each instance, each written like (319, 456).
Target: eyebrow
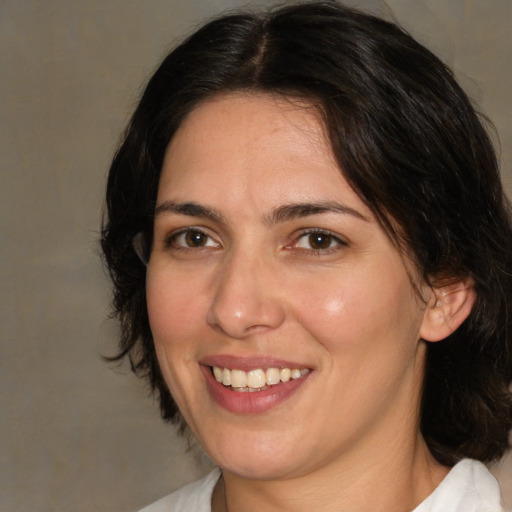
(282, 213)
(190, 209)
(299, 210)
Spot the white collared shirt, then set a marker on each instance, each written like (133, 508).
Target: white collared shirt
(468, 487)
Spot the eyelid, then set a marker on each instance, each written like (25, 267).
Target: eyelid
(170, 238)
(297, 236)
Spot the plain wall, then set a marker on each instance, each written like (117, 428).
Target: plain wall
(76, 434)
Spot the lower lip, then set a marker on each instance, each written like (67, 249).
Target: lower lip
(251, 402)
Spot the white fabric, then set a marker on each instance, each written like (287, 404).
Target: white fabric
(468, 487)
(194, 497)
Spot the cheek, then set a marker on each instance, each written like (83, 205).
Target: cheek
(173, 315)
(173, 310)
(359, 312)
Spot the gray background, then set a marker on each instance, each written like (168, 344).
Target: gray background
(75, 434)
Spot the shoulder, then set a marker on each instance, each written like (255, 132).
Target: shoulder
(195, 496)
(468, 487)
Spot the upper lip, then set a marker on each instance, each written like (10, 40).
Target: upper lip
(249, 363)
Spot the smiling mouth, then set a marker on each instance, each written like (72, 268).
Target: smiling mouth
(257, 379)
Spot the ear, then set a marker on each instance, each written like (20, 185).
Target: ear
(447, 308)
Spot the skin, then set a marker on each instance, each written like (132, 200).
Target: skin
(254, 284)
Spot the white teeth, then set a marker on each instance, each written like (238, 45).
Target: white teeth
(295, 374)
(238, 378)
(226, 377)
(285, 374)
(272, 376)
(218, 373)
(257, 379)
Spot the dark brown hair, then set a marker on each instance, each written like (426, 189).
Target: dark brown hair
(410, 144)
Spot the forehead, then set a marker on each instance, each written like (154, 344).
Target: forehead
(245, 143)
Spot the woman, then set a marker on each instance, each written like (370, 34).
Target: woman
(324, 299)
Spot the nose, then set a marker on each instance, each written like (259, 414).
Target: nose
(246, 298)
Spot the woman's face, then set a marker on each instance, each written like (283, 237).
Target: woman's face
(266, 261)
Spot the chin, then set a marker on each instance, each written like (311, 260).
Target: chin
(256, 456)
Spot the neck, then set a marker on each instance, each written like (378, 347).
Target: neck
(389, 483)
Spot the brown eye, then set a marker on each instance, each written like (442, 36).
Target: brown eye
(195, 239)
(191, 239)
(319, 241)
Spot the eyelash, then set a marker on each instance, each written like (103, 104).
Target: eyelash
(171, 240)
(335, 242)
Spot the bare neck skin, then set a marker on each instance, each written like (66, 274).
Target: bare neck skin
(397, 480)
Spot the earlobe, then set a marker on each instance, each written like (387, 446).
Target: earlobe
(447, 309)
